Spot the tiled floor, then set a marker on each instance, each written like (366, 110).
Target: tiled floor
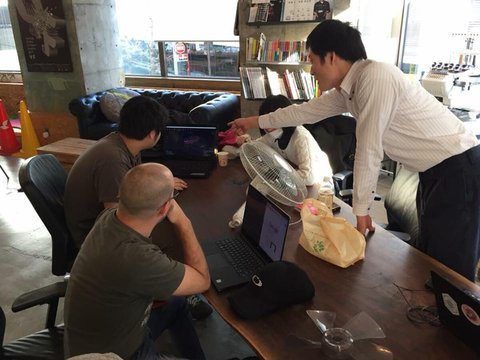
(25, 265)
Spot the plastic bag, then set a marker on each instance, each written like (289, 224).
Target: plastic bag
(330, 238)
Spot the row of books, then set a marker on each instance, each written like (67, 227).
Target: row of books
(281, 10)
(257, 83)
(275, 50)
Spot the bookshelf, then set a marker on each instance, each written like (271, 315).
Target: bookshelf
(269, 36)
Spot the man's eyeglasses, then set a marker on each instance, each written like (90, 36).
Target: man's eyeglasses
(175, 194)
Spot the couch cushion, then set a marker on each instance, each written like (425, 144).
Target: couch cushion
(178, 117)
(112, 101)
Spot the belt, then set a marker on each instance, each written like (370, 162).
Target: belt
(454, 163)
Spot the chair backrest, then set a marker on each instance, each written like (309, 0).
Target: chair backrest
(401, 204)
(336, 137)
(43, 179)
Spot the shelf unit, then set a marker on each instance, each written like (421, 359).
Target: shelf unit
(284, 31)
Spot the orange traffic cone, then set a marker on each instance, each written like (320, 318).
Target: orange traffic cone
(8, 142)
(29, 137)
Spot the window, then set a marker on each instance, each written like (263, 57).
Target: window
(187, 38)
(8, 52)
(379, 22)
(428, 23)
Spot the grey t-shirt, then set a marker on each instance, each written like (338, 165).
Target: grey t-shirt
(94, 179)
(115, 278)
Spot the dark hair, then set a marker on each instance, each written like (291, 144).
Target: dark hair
(272, 103)
(140, 115)
(338, 37)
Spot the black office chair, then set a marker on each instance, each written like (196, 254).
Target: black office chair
(43, 179)
(401, 206)
(336, 137)
(46, 344)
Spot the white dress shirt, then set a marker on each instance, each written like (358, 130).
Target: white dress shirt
(303, 151)
(394, 115)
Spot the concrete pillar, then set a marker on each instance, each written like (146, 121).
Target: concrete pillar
(94, 44)
(93, 39)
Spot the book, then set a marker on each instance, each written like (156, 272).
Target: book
(298, 10)
(247, 91)
(258, 12)
(253, 82)
(273, 82)
(265, 11)
(261, 47)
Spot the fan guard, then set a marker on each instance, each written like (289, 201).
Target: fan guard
(271, 174)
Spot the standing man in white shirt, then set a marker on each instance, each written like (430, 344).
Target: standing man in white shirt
(396, 116)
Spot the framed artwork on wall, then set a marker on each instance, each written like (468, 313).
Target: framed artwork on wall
(44, 35)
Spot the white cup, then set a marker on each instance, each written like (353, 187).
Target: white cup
(222, 158)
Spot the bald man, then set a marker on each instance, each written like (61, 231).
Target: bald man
(119, 272)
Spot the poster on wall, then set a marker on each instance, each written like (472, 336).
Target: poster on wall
(44, 35)
(322, 10)
(290, 10)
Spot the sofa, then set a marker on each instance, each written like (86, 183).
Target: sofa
(184, 107)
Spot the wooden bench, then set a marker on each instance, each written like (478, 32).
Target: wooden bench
(67, 150)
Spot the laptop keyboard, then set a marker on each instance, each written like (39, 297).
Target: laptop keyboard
(243, 259)
(182, 168)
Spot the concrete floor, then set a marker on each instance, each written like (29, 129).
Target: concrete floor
(25, 255)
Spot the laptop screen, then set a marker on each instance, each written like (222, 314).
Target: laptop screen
(265, 225)
(189, 142)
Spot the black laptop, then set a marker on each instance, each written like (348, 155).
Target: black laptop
(233, 260)
(189, 150)
(458, 310)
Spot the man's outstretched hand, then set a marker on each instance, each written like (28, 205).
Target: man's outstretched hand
(242, 125)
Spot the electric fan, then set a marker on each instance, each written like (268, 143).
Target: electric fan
(350, 340)
(271, 174)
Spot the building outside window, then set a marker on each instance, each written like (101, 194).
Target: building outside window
(187, 38)
(439, 31)
(8, 52)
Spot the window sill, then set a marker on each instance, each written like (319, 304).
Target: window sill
(232, 86)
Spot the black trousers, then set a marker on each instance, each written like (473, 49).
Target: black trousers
(448, 205)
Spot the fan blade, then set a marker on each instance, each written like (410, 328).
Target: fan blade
(323, 319)
(366, 350)
(295, 341)
(362, 326)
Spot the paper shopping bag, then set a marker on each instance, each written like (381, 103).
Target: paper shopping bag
(330, 238)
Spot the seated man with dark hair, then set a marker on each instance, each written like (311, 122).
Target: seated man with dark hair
(119, 272)
(94, 180)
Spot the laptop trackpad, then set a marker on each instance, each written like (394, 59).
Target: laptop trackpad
(217, 261)
(222, 274)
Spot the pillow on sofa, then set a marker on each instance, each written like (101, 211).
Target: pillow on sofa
(112, 101)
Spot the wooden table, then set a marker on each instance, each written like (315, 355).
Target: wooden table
(366, 286)
(67, 150)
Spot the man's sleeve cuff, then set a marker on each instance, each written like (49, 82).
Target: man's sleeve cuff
(263, 121)
(361, 210)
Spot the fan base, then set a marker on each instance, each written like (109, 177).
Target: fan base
(337, 343)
